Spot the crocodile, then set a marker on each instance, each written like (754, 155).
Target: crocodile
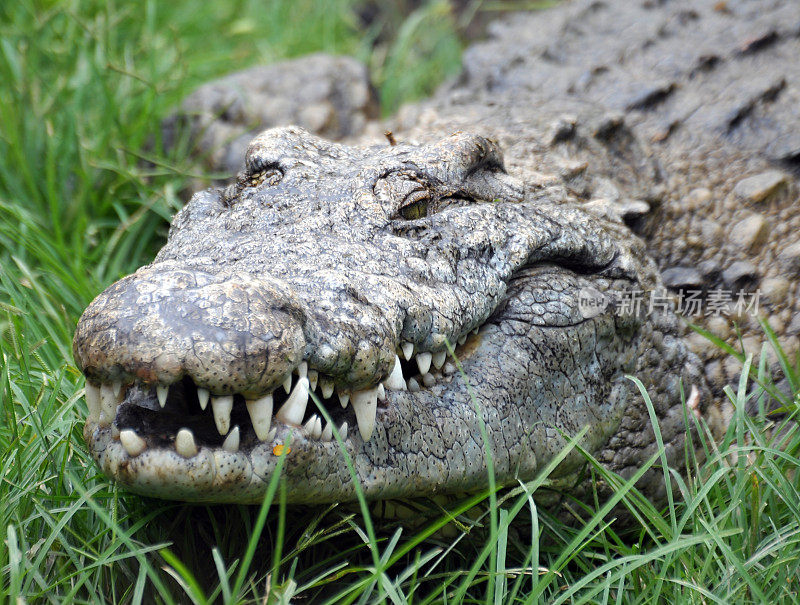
(428, 301)
(430, 294)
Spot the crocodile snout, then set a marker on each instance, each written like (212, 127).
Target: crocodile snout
(230, 335)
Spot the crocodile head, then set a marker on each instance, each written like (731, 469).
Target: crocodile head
(428, 304)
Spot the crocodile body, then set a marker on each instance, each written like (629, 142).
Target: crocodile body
(354, 271)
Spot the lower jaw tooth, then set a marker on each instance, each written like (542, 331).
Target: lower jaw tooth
(309, 425)
(287, 384)
(413, 385)
(381, 392)
(184, 443)
(428, 380)
(343, 431)
(272, 433)
(327, 434)
(449, 369)
(462, 339)
(132, 443)
(231, 443)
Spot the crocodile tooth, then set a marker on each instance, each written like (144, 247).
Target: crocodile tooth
(231, 443)
(428, 380)
(438, 359)
(449, 368)
(424, 362)
(343, 430)
(395, 380)
(475, 331)
(381, 392)
(184, 442)
(93, 401)
(108, 405)
(272, 433)
(462, 339)
(222, 406)
(294, 409)
(162, 390)
(117, 384)
(408, 350)
(260, 411)
(316, 430)
(327, 434)
(413, 385)
(365, 405)
(308, 427)
(132, 443)
(302, 369)
(313, 376)
(287, 384)
(344, 398)
(326, 386)
(202, 397)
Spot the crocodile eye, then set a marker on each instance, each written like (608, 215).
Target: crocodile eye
(271, 175)
(415, 205)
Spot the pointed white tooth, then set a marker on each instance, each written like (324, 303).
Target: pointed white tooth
(108, 405)
(184, 442)
(231, 443)
(438, 359)
(327, 434)
(381, 392)
(93, 401)
(117, 388)
(449, 368)
(202, 397)
(162, 390)
(294, 409)
(344, 398)
(272, 433)
(408, 350)
(260, 411)
(287, 384)
(462, 339)
(132, 443)
(318, 428)
(395, 380)
(365, 405)
(313, 376)
(326, 386)
(343, 431)
(308, 427)
(424, 362)
(428, 380)
(475, 331)
(302, 369)
(222, 406)
(315, 430)
(413, 385)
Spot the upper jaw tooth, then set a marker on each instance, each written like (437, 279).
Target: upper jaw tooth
(438, 359)
(222, 406)
(202, 397)
(108, 405)
(93, 401)
(365, 405)
(162, 390)
(424, 362)
(395, 381)
(302, 369)
(260, 411)
(294, 409)
(408, 350)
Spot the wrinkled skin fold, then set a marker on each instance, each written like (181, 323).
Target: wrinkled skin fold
(327, 265)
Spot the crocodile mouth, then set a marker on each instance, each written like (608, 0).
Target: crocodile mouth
(183, 418)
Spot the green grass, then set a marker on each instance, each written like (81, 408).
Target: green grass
(83, 87)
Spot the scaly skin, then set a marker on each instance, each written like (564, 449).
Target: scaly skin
(308, 263)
